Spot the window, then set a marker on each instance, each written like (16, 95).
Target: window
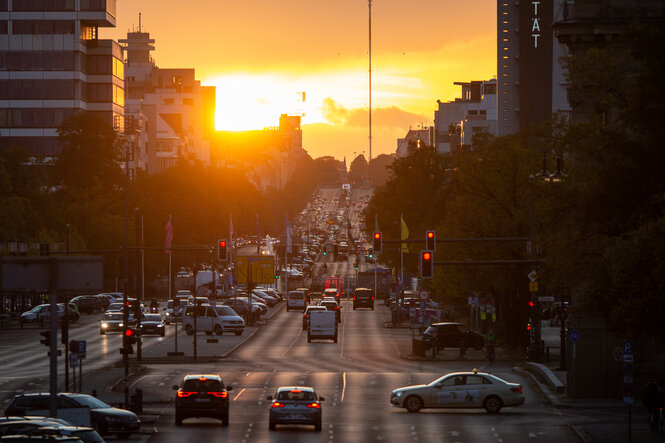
(3, 27)
(118, 68)
(477, 380)
(37, 27)
(188, 101)
(169, 101)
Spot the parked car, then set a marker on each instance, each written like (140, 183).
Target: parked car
(88, 304)
(202, 396)
(104, 418)
(460, 390)
(295, 405)
(451, 335)
(232, 321)
(42, 313)
(243, 306)
(363, 298)
(153, 324)
(269, 300)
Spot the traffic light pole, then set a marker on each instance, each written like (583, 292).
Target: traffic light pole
(53, 361)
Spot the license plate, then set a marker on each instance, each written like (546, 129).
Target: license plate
(296, 417)
(202, 400)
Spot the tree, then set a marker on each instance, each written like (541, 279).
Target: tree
(378, 169)
(358, 170)
(91, 153)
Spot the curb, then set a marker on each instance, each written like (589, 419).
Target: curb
(552, 381)
(543, 389)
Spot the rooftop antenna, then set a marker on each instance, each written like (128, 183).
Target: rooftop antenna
(139, 22)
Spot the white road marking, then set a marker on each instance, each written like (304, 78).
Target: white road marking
(343, 386)
(239, 393)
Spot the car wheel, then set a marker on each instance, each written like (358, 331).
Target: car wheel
(317, 426)
(354, 307)
(287, 308)
(309, 338)
(189, 330)
(178, 419)
(335, 339)
(123, 435)
(238, 333)
(218, 330)
(413, 403)
(372, 307)
(271, 425)
(225, 418)
(492, 404)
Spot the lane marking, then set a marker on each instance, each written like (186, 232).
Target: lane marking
(343, 386)
(239, 394)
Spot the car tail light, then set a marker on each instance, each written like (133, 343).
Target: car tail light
(354, 298)
(296, 391)
(372, 297)
(202, 379)
(185, 394)
(517, 389)
(336, 307)
(313, 405)
(277, 404)
(222, 394)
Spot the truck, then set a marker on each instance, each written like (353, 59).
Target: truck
(322, 325)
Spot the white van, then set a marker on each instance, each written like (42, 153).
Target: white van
(207, 320)
(322, 325)
(296, 300)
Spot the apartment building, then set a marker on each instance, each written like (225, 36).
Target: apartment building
(52, 64)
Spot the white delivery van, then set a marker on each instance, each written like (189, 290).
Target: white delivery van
(322, 325)
(207, 320)
(296, 300)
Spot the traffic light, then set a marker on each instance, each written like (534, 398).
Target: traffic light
(128, 339)
(430, 240)
(426, 264)
(378, 242)
(46, 341)
(222, 250)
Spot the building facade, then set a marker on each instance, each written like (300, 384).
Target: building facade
(52, 65)
(419, 137)
(531, 81)
(173, 114)
(474, 112)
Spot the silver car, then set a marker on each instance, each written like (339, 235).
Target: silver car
(460, 390)
(232, 321)
(295, 405)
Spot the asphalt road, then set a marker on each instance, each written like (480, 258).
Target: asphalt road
(355, 376)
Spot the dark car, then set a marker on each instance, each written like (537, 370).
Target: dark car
(451, 335)
(88, 304)
(244, 307)
(202, 396)
(153, 324)
(363, 298)
(295, 405)
(104, 418)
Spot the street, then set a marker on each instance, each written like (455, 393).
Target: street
(355, 376)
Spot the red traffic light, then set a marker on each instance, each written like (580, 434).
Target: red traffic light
(531, 303)
(427, 255)
(377, 235)
(222, 243)
(129, 333)
(430, 234)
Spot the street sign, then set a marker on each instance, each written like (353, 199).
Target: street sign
(533, 276)
(82, 346)
(74, 346)
(573, 336)
(628, 370)
(73, 360)
(628, 351)
(424, 295)
(545, 298)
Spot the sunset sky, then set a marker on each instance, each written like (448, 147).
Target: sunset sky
(261, 54)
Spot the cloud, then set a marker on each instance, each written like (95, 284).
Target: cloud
(390, 117)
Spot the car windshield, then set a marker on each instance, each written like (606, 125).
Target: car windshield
(115, 307)
(296, 295)
(89, 401)
(205, 385)
(153, 317)
(328, 303)
(112, 316)
(224, 310)
(296, 395)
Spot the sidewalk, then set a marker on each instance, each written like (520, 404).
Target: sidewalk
(611, 424)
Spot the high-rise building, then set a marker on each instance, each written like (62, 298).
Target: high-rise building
(172, 115)
(530, 79)
(52, 65)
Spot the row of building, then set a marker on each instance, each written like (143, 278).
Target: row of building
(53, 64)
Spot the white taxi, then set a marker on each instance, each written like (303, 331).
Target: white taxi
(460, 390)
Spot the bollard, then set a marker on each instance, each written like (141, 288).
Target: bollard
(136, 402)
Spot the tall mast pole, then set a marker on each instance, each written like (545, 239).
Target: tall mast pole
(370, 81)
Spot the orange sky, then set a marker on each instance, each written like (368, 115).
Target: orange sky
(261, 54)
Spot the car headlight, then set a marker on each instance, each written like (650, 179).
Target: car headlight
(398, 394)
(168, 314)
(120, 324)
(105, 325)
(112, 419)
(160, 326)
